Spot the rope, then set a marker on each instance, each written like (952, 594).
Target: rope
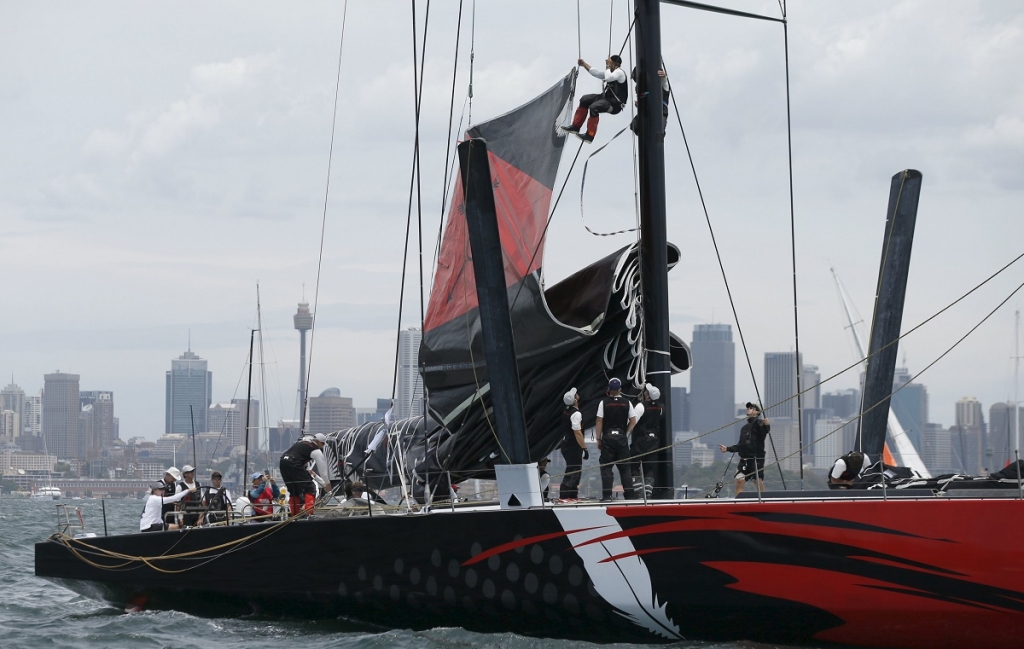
(323, 224)
(792, 245)
(583, 184)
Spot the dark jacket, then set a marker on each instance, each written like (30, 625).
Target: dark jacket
(752, 436)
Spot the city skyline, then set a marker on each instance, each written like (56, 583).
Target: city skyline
(160, 185)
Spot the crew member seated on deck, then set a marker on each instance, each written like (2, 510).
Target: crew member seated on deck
(846, 470)
(171, 486)
(615, 421)
(301, 490)
(152, 520)
(263, 493)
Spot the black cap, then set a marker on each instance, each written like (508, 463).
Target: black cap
(754, 406)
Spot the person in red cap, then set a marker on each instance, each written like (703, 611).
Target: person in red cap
(611, 100)
(616, 418)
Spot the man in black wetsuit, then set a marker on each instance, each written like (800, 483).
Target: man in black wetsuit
(616, 418)
(574, 448)
(645, 438)
(751, 448)
(301, 491)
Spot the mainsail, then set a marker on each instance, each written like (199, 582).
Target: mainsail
(577, 333)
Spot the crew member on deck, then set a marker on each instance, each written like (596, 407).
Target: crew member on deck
(301, 492)
(616, 418)
(751, 448)
(263, 493)
(152, 519)
(217, 500)
(574, 448)
(611, 100)
(846, 470)
(645, 438)
(172, 486)
(194, 501)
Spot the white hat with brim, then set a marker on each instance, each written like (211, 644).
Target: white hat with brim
(175, 473)
(653, 391)
(569, 397)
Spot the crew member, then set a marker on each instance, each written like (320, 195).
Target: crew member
(217, 500)
(611, 100)
(152, 518)
(751, 448)
(299, 480)
(263, 493)
(616, 418)
(191, 504)
(846, 470)
(574, 448)
(545, 478)
(665, 92)
(645, 437)
(172, 485)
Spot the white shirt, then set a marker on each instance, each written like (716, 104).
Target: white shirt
(600, 409)
(608, 75)
(320, 462)
(576, 420)
(839, 468)
(151, 513)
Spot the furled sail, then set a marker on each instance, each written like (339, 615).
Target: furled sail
(577, 333)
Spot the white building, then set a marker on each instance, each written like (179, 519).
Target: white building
(409, 387)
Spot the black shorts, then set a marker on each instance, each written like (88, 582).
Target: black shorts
(749, 467)
(155, 527)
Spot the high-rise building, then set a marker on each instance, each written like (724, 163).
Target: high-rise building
(303, 320)
(713, 383)
(61, 410)
(104, 422)
(1001, 441)
(10, 425)
(936, 449)
(32, 422)
(969, 413)
(680, 410)
(910, 405)
(189, 394)
(330, 412)
(409, 388)
(229, 421)
(842, 403)
(12, 398)
(967, 437)
(828, 438)
(810, 383)
(780, 384)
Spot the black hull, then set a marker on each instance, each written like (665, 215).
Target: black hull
(912, 573)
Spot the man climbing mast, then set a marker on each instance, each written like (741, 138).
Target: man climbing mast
(611, 100)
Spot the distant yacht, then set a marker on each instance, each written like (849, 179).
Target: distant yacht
(48, 493)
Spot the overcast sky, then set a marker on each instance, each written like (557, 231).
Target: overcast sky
(161, 159)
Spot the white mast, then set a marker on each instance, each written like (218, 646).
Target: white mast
(904, 447)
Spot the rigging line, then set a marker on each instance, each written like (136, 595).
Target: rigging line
(792, 246)
(323, 223)
(714, 242)
(472, 60)
(579, 38)
(419, 186)
(611, 21)
(448, 149)
(583, 181)
(722, 10)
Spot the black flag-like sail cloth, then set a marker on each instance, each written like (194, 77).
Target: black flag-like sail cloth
(577, 333)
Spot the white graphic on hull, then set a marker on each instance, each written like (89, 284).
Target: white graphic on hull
(624, 583)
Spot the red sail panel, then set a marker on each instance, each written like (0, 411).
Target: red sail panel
(522, 205)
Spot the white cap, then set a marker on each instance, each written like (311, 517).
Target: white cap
(175, 473)
(187, 468)
(569, 397)
(653, 391)
(320, 437)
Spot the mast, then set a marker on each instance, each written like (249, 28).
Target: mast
(653, 231)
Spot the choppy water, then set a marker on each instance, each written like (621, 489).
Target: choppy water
(37, 614)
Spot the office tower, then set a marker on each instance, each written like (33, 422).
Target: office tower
(12, 398)
(33, 420)
(303, 320)
(910, 404)
(383, 405)
(780, 384)
(786, 435)
(330, 412)
(252, 421)
(61, 410)
(969, 413)
(409, 388)
(9, 425)
(1001, 441)
(283, 435)
(828, 442)
(842, 403)
(713, 383)
(189, 394)
(680, 410)
(811, 385)
(104, 422)
(228, 421)
(936, 449)
(967, 438)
